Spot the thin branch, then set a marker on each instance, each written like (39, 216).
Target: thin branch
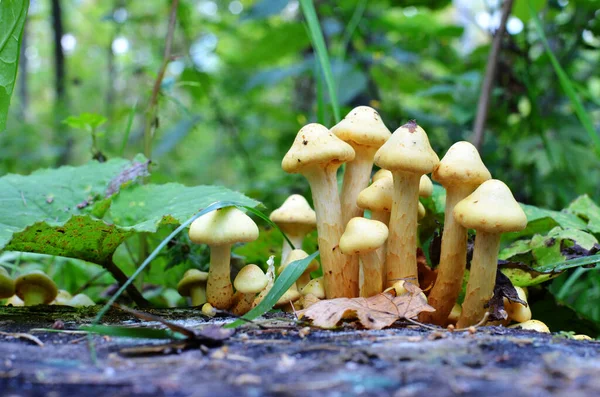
(151, 111)
(122, 278)
(488, 82)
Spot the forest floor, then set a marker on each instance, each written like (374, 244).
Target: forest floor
(283, 358)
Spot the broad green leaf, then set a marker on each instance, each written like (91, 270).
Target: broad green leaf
(521, 8)
(85, 121)
(133, 332)
(285, 280)
(12, 20)
(46, 212)
(584, 207)
(527, 277)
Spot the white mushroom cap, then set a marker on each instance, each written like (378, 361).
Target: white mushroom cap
(224, 226)
(491, 208)
(363, 235)
(250, 280)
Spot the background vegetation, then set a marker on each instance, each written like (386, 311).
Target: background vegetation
(241, 78)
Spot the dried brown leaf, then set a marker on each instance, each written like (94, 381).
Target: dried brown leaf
(376, 312)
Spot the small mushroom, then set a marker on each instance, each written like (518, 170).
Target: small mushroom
(314, 287)
(297, 255)
(221, 229)
(363, 237)
(290, 296)
(62, 298)
(248, 282)
(364, 130)
(80, 300)
(193, 284)
(270, 281)
(296, 219)
(7, 284)
(35, 288)
(532, 325)
(460, 171)
(517, 311)
(317, 154)
(491, 210)
(408, 155)
(14, 301)
(582, 337)
(208, 310)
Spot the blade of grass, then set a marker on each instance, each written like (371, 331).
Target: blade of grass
(265, 218)
(566, 83)
(128, 129)
(357, 15)
(133, 332)
(320, 96)
(285, 280)
(318, 42)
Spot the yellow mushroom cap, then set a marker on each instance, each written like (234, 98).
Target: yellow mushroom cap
(15, 301)
(315, 287)
(80, 300)
(7, 284)
(296, 255)
(38, 281)
(582, 337)
(532, 325)
(382, 174)
(421, 212)
(291, 295)
(313, 145)
(250, 280)
(193, 278)
(378, 196)
(425, 186)
(491, 208)
(363, 235)
(294, 213)
(224, 226)
(517, 311)
(461, 165)
(62, 297)
(362, 126)
(408, 150)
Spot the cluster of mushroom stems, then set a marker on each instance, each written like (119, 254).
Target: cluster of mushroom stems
(36, 288)
(367, 233)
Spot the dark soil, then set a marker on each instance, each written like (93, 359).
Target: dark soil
(290, 360)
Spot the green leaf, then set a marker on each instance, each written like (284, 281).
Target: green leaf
(570, 264)
(46, 212)
(285, 280)
(85, 121)
(565, 83)
(584, 207)
(133, 332)
(318, 42)
(12, 20)
(522, 11)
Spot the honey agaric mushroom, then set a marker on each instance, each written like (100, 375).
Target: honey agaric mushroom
(363, 237)
(221, 229)
(516, 311)
(80, 300)
(193, 284)
(317, 154)
(35, 288)
(364, 130)
(312, 293)
(290, 296)
(270, 281)
(248, 282)
(491, 210)
(460, 171)
(7, 284)
(14, 301)
(408, 155)
(296, 219)
(62, 297)
(532, 325)
(297, 255)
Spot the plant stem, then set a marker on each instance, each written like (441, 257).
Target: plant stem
(121, 278)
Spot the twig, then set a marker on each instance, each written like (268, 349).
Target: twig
(488, 82)
(151, 111)
(89, 282)
(121, 278)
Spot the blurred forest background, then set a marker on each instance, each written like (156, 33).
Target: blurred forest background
(241, 80)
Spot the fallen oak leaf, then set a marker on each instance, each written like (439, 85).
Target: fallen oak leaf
(376, 312)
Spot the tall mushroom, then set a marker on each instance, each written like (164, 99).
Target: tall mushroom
(408, 155)
(491, 210)
(364, 130)
(363, 237)
(460, 171)
(221, 229)
(296, 219)
(7, 284)
(317, 154)
(35, 288)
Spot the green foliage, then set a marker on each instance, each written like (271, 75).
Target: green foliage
(12, 20)
(85, 121)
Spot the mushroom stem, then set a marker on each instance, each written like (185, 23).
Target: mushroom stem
(356, 178)
(453, 260)
(218, 287)
(198, 296)
(33, 297)
(339, 273)
(381, 216)
(401, 260)
(482, 278)
(372, 270)
(286, 249)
